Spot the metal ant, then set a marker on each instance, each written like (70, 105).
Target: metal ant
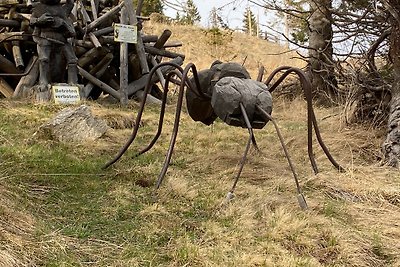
(226, 91)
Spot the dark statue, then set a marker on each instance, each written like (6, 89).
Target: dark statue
(52, 32)
(227, 85)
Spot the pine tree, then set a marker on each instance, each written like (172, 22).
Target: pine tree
(191, 14)
(150, 6)
(216, 21)
(250, 23)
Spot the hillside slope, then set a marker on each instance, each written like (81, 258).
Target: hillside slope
(202, 47)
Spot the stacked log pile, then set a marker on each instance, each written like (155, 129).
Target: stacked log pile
(117, 69)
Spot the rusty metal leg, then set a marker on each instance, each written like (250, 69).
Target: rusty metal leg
(323, 146)
(246, 151)
(140, 113)
(300, 196)
(176, 128)
(161, 118)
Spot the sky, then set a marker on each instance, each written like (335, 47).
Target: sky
(232, 11)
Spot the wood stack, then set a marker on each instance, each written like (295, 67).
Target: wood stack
(117, 69)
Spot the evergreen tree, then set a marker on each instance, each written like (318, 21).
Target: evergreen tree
(191, 14)
(216, 21)
(250, 23)
(150, 6)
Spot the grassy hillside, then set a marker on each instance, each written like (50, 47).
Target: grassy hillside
(58, 208)
(202, 47)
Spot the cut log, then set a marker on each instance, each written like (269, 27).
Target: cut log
(90, 56)
(104, 17)
(11, 36)
(103, 31)
(5, 88)
(94, 40)
(139, 84)
(9, 23)
(27, 81)
(163, 39)
(94, 9)
(8, 2)
(161, 52)
(6, 66)
(19, 62)
(103, 86)
(149, 100)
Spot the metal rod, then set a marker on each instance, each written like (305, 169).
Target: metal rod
(161, 118)
(176, 126)
(140, 112)
(307, 92)
(312, 121)
(246, 151)
(301, 199)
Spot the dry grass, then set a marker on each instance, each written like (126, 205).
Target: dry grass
(198, 48)
(353, 217)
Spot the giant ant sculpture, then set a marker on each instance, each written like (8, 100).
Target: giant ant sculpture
(226, 91)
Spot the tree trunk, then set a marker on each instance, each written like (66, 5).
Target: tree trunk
(321, 68)
(391, 146)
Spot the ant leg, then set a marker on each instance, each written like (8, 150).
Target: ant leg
(300, 196)
(140, 112)
(246, 151)
(175, 129)
(323, 146)
(161, 119)
(311, 116)
(306, 86)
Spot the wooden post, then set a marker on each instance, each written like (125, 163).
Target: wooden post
(123, 70)
(139, 45)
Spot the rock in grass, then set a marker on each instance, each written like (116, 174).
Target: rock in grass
(73, 125)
